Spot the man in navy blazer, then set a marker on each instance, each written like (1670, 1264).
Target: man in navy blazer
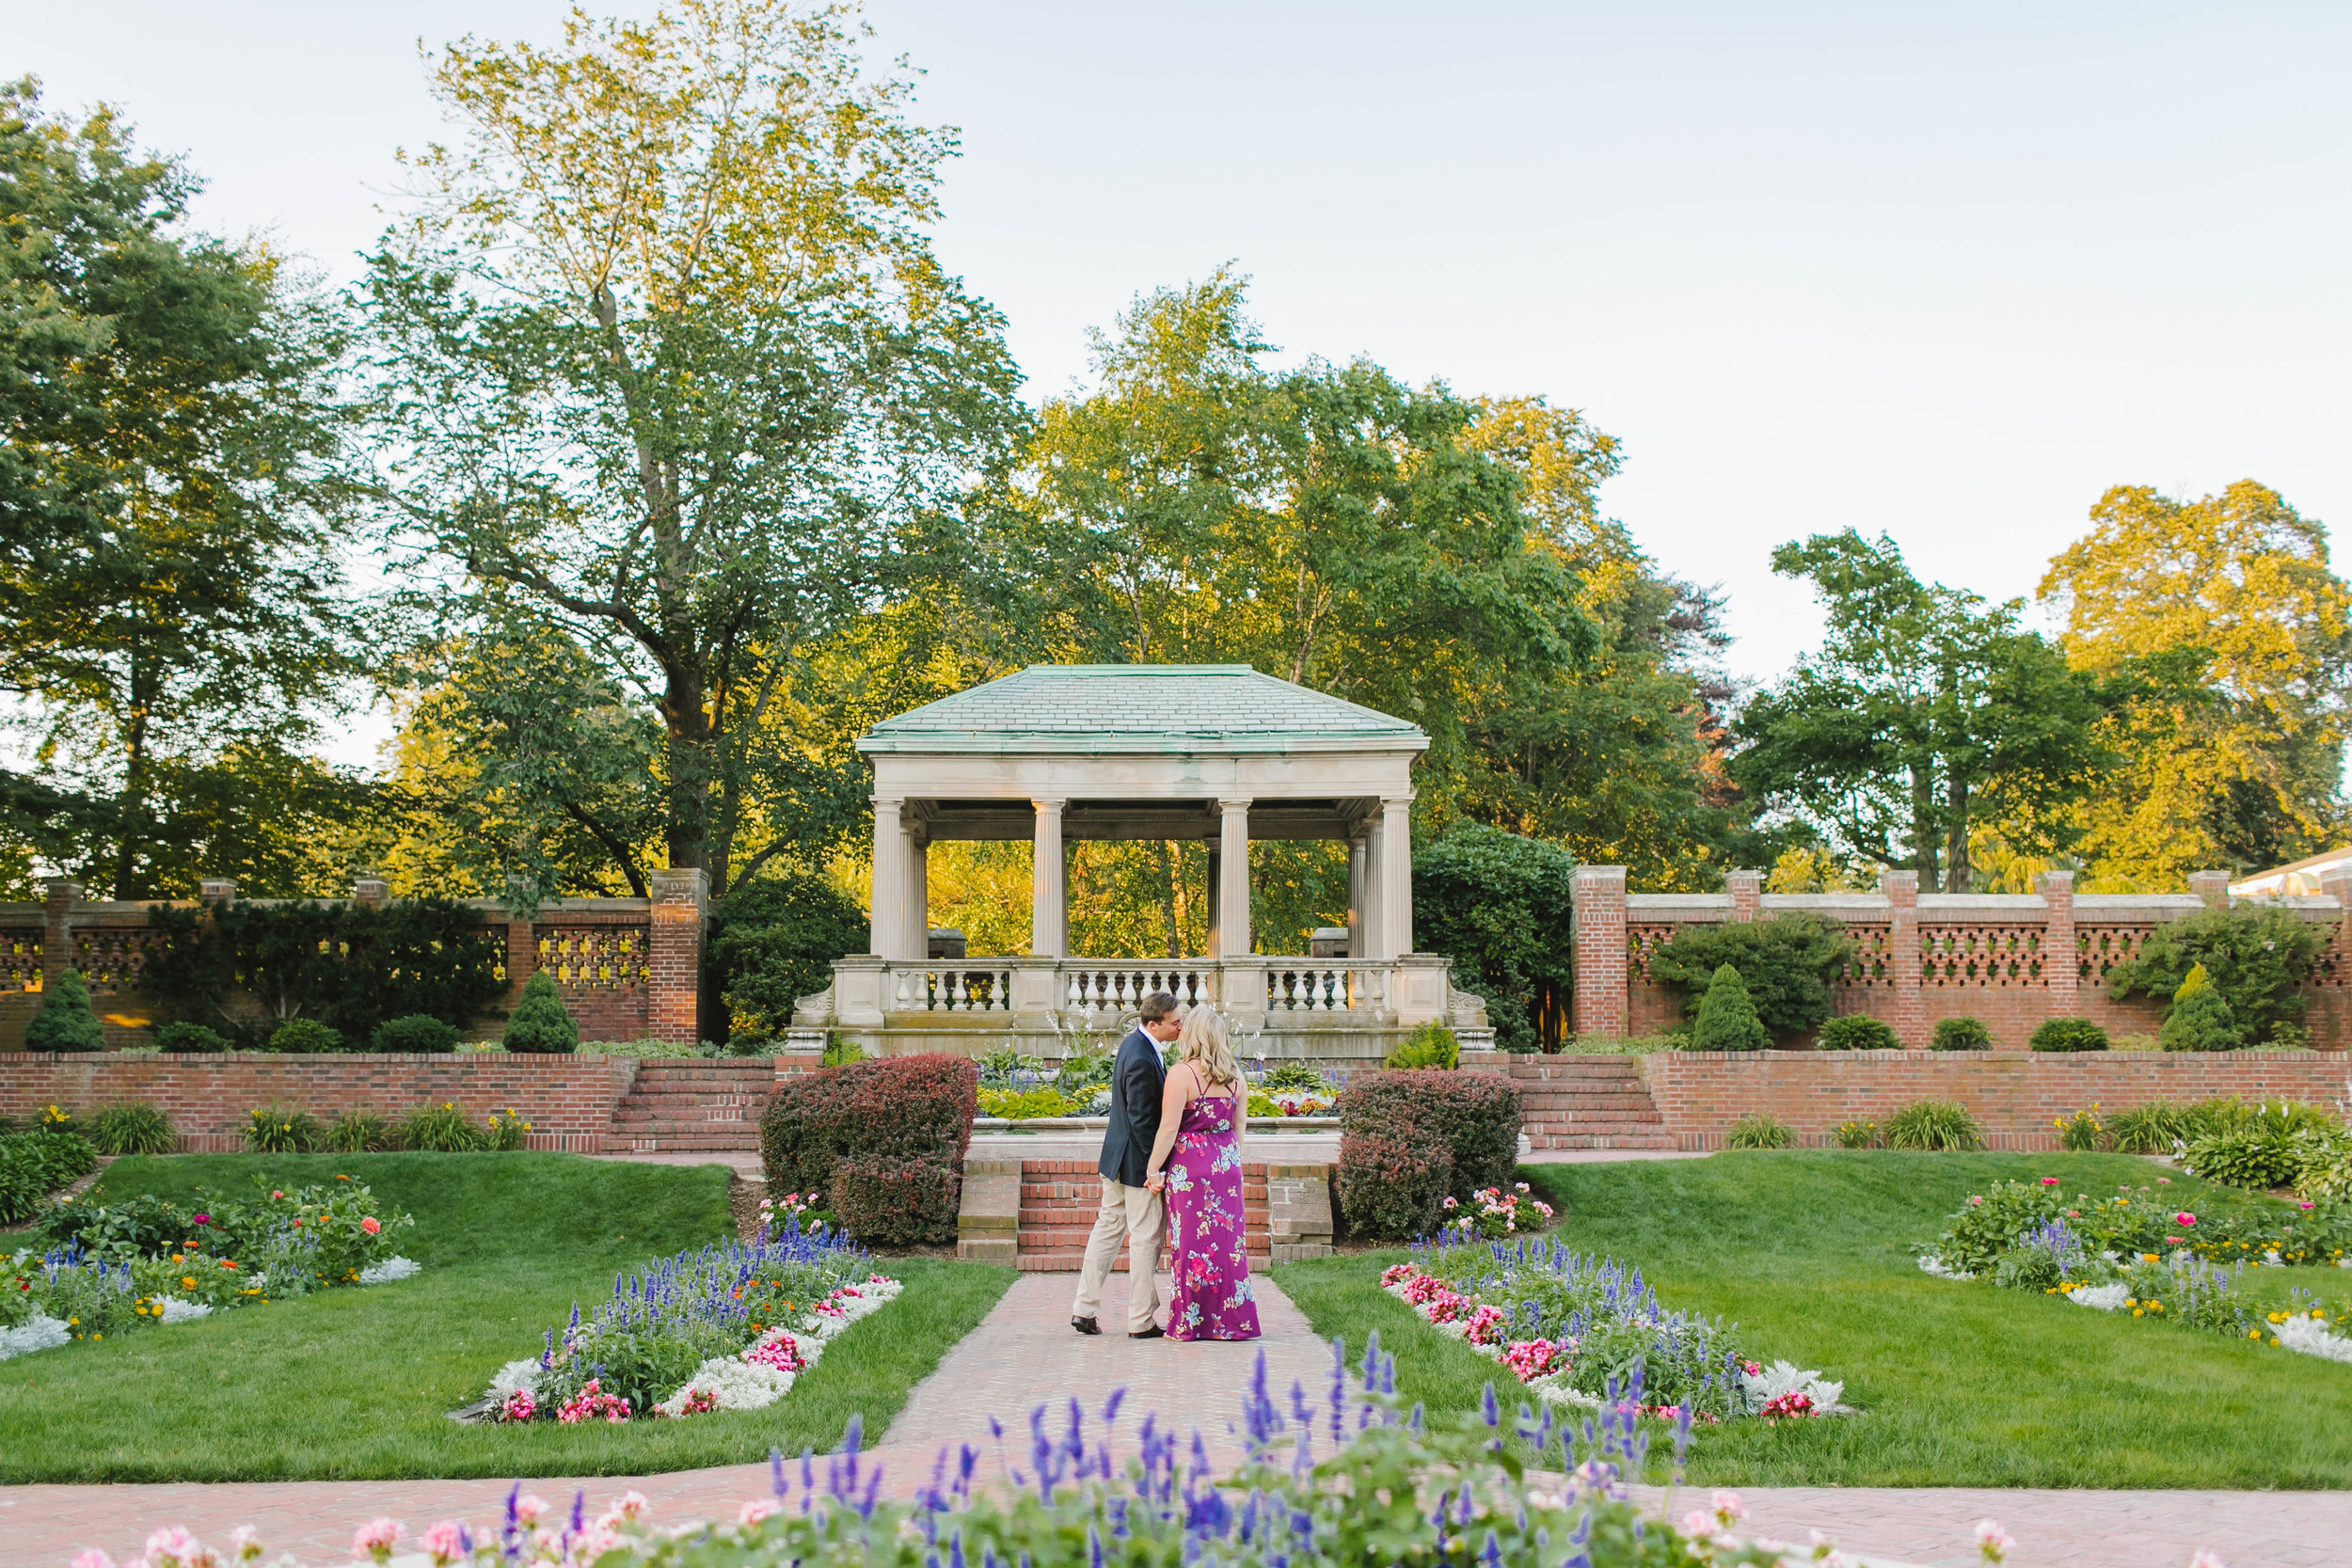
(1128, 1209)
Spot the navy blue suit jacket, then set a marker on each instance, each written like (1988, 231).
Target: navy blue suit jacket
(1137, 1080)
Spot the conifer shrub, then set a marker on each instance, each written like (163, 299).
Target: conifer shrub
(1726, 1019)
(1857, 1032)
(541, 1024)
(66, 1021)
(2069, 1034)
(2256, 958)
(2202, 1019)
(1960, 1034)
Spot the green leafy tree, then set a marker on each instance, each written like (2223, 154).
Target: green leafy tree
(2238, 760)
(1925, 711)
(1499, 907)
(172, 612)
(2256, 959)
(663, 357)
(773, 942)
(1787, 964)
(66, 1021)
(1727, 1017)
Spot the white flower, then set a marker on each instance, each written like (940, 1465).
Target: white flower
(39, 1332)
(171, 1309)
(1935, 1265)
(389, 1270)
(2309, 1338)
(2106, 1298)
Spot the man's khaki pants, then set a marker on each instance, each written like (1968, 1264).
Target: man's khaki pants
(1136, 1213)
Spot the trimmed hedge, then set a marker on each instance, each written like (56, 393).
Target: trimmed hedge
(1856, 1032)
(1960, 1034)
(859, 1132)
(1411, 1139)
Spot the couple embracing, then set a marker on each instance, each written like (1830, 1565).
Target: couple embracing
(1172, 1158)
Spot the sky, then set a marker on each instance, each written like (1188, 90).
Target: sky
(1942, 271)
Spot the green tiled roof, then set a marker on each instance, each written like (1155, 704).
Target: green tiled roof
(1141, 707)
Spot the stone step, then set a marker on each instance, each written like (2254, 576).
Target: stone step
(1602, 1140)
(677, 1143)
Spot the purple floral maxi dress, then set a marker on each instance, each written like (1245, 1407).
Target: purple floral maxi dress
(1208, 1259)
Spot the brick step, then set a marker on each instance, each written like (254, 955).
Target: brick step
(676, 1142)
(1645, 1113)
(734, 1109)
(1071, 1262)
(1545, 1100)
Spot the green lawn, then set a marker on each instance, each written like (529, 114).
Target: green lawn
(1960, 1384)
(357, 1383)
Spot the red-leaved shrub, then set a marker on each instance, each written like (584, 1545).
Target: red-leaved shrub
(887, 1114)
(895, 1201)
(1410, 1129)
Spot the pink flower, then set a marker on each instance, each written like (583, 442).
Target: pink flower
(277, 1194)
(174, 1545)
(629, 1505)
(371, 1224)
(1993, 1540)
(1728, 1507)
(528, 1507)
(203, 1219)
(247, 1542)
(2184, 1217)
(2206, 1560)
(93, 1559)
(2049, 1180)
(2161, 1182)
(1699, 1525)
(758, 1509)
(375, 1539)
(1975, 1198)
(447, 1541)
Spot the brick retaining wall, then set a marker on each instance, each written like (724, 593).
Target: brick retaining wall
(2015, 1095)
(569, 1100)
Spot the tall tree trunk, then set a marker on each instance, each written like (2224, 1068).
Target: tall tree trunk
(1923, 835)
(688, 750)
(130, 882)
(1956, 868)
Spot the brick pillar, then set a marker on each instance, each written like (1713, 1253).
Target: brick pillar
(2212, 886)
(57, 936)
(369, 892)
(1747, 894)
(1599, 1006)
(2061, 956)
(1902, 955)
(522, 954)
(673, 1007)
(2336, 882)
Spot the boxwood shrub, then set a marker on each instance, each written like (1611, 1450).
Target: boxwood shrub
(1790, 964)
(1962, 1034)
(1857, 1032)
(2069, 1034)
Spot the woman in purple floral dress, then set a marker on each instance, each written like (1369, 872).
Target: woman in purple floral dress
(1196, 1162)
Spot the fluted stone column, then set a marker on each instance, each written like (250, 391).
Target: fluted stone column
(890, 877)
(1395, 890)
(1232, 915)
(1049, 910)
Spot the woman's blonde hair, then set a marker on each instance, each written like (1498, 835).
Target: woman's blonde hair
(1206, 1041)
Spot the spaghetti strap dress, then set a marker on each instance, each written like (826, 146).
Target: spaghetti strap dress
(1208, 1249)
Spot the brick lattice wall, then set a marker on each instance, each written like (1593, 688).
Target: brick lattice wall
(569, 1100)
(2015, 1095)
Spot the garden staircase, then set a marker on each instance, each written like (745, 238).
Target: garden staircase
(1586, 1102)
(1059, 1199)
(692, 1105)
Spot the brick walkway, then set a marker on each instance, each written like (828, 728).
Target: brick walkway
(1024, 1353)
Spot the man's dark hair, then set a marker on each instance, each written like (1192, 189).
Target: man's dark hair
(1159, 1006)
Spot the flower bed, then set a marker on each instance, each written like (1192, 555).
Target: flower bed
(1332, 1486)
(722, 1327)
(108, 1268)
(1586, 1331)
(2136, 1252)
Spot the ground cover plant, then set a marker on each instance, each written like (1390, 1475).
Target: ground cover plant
(38, 1161)
(350, 1384)
(1811, 1253)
